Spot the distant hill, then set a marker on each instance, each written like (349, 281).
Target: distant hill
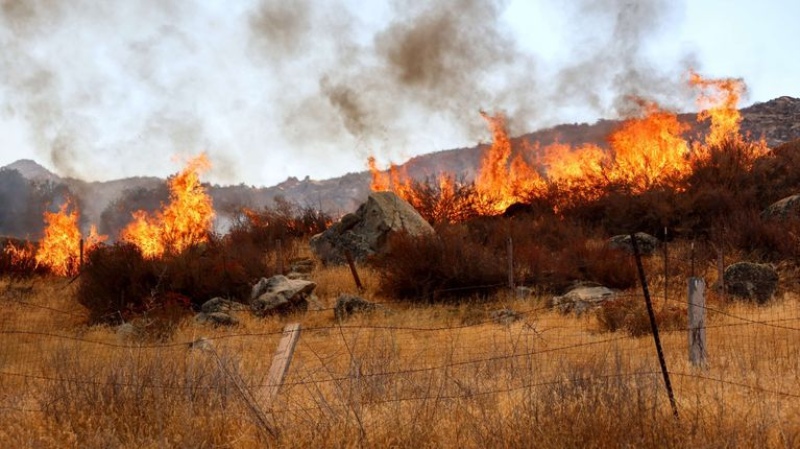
(777, 121)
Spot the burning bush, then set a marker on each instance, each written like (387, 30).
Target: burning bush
(120, 281)
(18, 259)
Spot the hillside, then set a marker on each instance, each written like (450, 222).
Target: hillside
(777, 121)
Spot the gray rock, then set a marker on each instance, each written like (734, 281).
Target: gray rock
(304, 265)
(201, 344)
(751, 281)
(788, 207)
(217, 319)
(347, 305)
(280, 294)
(523, 292)
(221, 305)
(583, 298)
(366, 231)
(505, 316)
(646, 242)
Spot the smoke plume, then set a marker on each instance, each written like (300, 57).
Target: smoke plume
(271, 89)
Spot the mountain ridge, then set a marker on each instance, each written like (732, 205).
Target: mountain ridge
(776, 121)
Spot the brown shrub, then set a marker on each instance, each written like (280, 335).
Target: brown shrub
(449, 265)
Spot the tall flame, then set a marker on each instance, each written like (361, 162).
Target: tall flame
(60, 248)
(718, 100)
(500, 184)
(185, 221)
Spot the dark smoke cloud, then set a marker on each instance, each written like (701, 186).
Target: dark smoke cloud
(272, 88)
(282, 29)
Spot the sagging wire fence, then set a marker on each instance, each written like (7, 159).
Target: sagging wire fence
(338, 367)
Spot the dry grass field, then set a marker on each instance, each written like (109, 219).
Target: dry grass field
(418, 376)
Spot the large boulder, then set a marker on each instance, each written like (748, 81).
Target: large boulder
(751, 281)
(366, 231)
(646, 242)
(280, 294)
(583, 298)
(788, 207)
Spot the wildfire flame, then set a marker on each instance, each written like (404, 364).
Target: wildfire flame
(19, 255)
(61, 246)
(717, 101)
(649, 151)
(185, 221)
(644, 152)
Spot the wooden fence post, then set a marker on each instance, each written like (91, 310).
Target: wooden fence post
(280, 363)
(349, 256)
(697, 321)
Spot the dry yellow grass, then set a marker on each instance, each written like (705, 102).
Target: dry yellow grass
(420, 376)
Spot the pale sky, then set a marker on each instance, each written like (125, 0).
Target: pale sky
(269, 89)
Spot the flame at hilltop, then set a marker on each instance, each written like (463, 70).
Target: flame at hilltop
(185, 221)
(644, 152)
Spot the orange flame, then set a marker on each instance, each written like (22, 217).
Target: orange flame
(718, 100)
(645, 152)
(500, 184)
(649, 151)
(20, 255)
(60, 247)
(185, 221)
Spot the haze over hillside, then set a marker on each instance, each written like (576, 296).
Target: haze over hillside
(776, 121)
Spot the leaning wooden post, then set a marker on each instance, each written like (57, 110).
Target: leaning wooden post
(349, 256)
(697, 322)
(280, 362)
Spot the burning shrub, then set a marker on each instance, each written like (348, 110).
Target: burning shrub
(121, 281)
(18, 259)
(445, 200)
(434, 268)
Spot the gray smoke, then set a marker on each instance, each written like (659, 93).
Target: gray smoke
(272, 88)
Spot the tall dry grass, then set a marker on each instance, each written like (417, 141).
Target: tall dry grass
(420, 376)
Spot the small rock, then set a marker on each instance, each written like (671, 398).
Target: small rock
(583, 298)
(221, 305)
(201, 344)
(646, 242)
(217, 319)
(788, 207)
(347, 305)
(304, 266)
(523, 292)
(280, 294)
(505, 316)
